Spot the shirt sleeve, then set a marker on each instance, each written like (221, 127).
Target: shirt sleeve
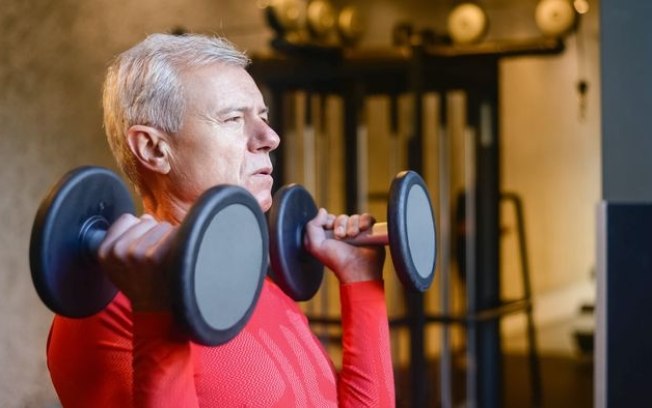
(366, 378)
(116, 358)
(162, 363)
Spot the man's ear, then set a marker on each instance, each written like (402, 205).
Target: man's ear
(150, 147)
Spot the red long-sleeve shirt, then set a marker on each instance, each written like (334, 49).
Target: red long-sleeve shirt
(116, 358)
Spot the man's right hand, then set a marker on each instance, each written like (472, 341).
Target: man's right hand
(133, 255)
(350, 263)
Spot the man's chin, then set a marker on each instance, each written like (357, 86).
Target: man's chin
(265, 202)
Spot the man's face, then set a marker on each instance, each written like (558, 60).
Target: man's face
(225, 137)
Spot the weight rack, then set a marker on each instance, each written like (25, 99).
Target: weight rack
(354, 74)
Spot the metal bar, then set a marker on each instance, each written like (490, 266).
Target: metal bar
(415, 303)
(396, 157)
(352, 103)
(510, 307)
(487, 271)
(470, 227)
(445, 359)
(533, 355)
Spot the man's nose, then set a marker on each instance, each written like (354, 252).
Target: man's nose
(265, 137)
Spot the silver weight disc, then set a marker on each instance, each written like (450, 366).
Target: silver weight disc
(293, 269)
(420, 231)
(412, 231)
(227, 271)
(219, 264)
(66, 276)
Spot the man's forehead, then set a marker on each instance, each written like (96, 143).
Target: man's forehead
(218, 86)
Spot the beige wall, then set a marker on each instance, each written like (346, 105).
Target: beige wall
(52, 57)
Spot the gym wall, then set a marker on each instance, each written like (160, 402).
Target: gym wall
(53, 55)
(52, 62)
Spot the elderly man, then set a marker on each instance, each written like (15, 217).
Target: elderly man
(182, 115)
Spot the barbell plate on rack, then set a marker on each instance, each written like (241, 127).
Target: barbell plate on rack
(285, 16)
(411, 230)
(467, 23)
(321, 17)
(219, 264)
(555, 18)
(66, 276)
(295, 271)
(351, 24)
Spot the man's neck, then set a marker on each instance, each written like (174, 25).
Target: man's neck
(166, 207)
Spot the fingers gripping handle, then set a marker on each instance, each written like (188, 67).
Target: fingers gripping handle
(376, 235)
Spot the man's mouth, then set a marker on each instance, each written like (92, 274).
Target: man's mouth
(265, 171)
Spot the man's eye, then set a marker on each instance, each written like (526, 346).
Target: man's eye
(233, 119)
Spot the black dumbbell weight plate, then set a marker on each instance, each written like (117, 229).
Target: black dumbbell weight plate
(218, 264)
(411, 228)
(66, 275)
(295, 271)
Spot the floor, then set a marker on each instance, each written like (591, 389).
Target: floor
(566, 382)
(566, 373)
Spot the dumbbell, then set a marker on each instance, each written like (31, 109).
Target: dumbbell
(409, 231)
(216, 264)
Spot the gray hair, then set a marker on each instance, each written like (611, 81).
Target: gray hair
(143, 87)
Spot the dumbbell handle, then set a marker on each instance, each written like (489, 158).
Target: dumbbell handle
(376, 235)
(92, 234)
